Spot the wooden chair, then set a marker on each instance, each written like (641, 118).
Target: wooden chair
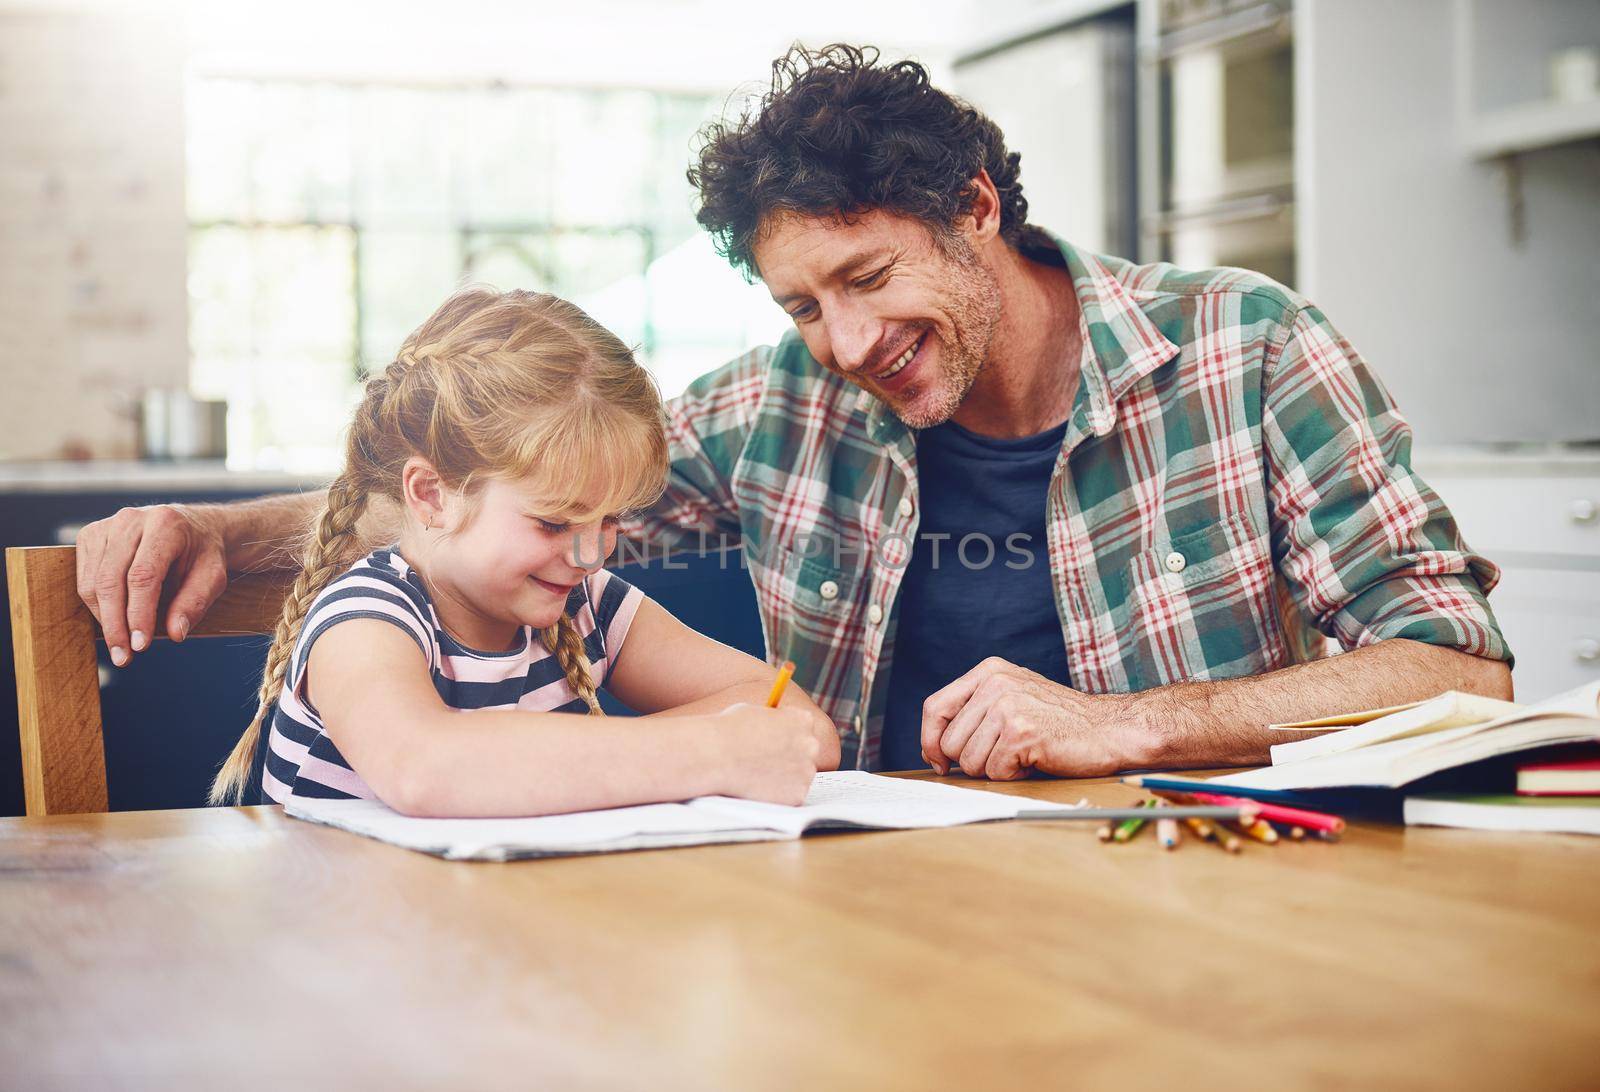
(58, 681)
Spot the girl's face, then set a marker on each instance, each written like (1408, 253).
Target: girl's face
(500, 562)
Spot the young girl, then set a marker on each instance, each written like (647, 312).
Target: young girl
(510, 432)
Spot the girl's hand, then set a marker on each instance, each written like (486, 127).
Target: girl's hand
(772, 753)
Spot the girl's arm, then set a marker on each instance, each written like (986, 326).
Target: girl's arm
(370, 683)
(664, 668)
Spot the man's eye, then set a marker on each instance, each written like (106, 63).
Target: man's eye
(873, 279)
(803, 313)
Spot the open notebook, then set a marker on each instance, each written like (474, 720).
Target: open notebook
(848, 800)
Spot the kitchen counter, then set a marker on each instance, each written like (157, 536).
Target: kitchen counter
(113, 475)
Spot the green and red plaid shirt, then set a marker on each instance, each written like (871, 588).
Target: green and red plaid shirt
(1226, 445)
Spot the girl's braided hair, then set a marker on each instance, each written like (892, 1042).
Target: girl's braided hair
(518, 385)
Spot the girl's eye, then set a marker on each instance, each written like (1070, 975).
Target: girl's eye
(553, 527)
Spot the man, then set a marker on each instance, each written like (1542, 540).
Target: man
(1010, 506)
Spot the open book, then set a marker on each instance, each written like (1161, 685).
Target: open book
(848, 800)
(1403, 746)
(1452, 709)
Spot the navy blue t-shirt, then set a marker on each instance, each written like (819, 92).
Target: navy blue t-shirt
(960, 603)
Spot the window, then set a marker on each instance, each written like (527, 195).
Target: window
(327, 220)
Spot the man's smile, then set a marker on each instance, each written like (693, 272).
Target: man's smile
(903, 369)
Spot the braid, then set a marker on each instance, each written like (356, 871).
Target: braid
(562, 639)
(324, 559)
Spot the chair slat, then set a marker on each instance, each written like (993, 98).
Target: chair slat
(58, 683)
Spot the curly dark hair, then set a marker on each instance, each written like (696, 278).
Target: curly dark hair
(839, 134)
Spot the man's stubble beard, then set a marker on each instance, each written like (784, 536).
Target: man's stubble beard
(974, 315)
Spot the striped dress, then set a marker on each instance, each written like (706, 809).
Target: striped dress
(302, 761)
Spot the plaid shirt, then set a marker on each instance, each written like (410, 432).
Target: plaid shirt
(1230, 468)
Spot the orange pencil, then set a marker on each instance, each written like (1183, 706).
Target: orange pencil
(1260, 830)
(1211, 833)
(784, 674)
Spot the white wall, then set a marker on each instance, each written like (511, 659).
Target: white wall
(92, 228)
(697, 45)
(1405, 241)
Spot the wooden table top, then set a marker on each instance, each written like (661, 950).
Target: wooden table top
(239, 948)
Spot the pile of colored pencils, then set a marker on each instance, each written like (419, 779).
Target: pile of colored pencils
(1258, 821)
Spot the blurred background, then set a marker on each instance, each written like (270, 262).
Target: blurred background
(216, 217)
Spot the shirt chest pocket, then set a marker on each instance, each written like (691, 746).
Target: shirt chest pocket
(1202, 606)
(808, 594)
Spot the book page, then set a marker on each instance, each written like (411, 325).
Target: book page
(1396, 762)
(1371, 765)
(852, 798)
(1580, 701)
(1451, 709)
(848, 799)
(640, 827)
(1340, 720)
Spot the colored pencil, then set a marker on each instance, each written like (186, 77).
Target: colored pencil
(1277, 813)
(1260, 830)
(1210, 833)
(1129, 827)
(1153, 783)
(1167, 832)
(784, 674)
(1123, 814)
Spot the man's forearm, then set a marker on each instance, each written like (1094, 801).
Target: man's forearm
(268, 532)
(1211, 724)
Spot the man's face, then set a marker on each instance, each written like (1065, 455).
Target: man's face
(878, 302)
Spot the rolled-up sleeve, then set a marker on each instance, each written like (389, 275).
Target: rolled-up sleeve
(1369, 551)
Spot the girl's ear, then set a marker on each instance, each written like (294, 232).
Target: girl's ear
(423, 492)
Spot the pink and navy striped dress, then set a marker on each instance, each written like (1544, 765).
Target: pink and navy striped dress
(302, 761)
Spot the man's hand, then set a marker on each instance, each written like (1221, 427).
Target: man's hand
(126, 560)
(1003, 722)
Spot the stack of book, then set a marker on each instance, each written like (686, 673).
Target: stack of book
(1454, 760)
(1562, 794)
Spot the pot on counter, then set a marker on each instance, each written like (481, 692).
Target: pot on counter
(173, 424)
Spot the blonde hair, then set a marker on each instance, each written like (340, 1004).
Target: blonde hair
(517, 385)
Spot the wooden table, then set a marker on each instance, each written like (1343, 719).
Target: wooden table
(235, 948)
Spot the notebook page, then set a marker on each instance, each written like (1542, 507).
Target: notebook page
(548, 835)
(852, 798)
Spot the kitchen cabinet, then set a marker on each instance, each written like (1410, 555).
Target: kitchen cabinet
(1537, 516)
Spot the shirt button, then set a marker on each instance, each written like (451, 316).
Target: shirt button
(1175, 562)
(829, 590)
(906, 508)
(874, 614)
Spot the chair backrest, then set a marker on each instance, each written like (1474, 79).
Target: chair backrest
(58, 682)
